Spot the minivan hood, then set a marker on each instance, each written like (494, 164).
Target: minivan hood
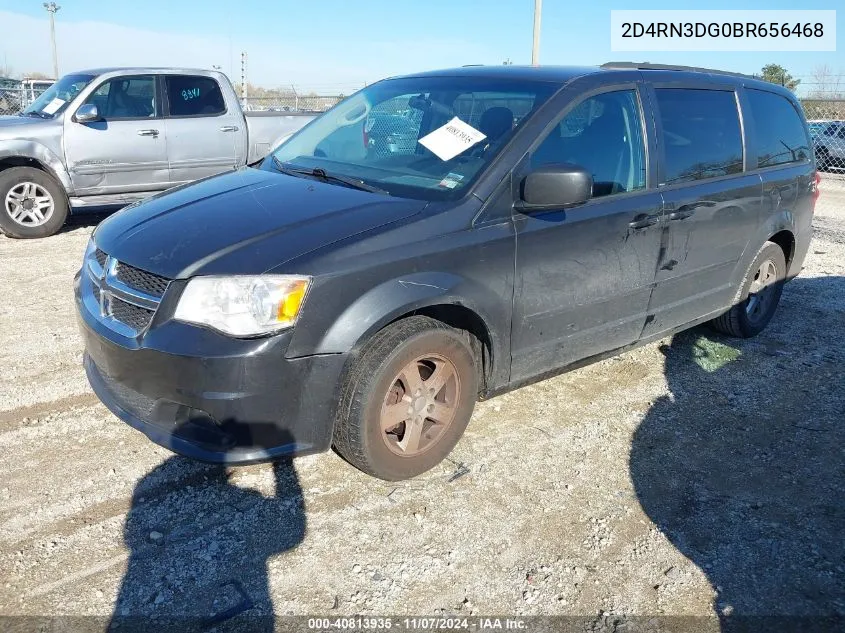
(243, 222)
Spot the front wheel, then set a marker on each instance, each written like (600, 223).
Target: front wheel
(759, 296)
(406, 399)
(32, 203)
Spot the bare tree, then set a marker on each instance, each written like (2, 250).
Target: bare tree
(826, 83)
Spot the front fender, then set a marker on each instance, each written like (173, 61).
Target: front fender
(392, 299)
(24, 148)
(404, 295)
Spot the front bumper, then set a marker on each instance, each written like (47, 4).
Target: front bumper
(211, 397)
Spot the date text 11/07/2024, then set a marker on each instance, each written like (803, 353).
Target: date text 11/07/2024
(417, 624)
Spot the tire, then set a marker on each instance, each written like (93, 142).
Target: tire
(378, 386)
(37, 190)
(752, 313)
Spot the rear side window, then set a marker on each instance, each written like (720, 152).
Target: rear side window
(701, 134)
(194, 96)
(780, 135)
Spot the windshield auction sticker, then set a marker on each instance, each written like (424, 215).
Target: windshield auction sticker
(53, 106)
(451, 139)
(786, 30)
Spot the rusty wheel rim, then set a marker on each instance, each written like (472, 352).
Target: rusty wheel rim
(420, 404)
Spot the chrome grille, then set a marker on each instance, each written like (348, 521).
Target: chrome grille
(123, 297)
(141, 279)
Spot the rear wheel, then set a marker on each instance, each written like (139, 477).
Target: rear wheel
(406, 399)
(760, 295)
(32, 203)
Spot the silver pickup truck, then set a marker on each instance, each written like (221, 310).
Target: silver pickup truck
(108, 137)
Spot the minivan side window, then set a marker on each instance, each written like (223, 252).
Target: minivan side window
(701, 134)
(602, 134)
(780, 135)
(189, 95)
(125, 98)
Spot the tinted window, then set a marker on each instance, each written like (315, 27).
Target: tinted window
(701, 134)
(603, 134)
(126, 98)
(780, 135)
(194, 96)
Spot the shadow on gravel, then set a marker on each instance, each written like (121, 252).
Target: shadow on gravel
(200, 547)
(743, 466)
(88, 217)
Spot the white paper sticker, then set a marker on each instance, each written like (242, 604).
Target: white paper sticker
(54, 105)
(451, 139)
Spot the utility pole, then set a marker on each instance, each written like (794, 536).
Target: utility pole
(243, 78)
(535, 48)
(52, 7)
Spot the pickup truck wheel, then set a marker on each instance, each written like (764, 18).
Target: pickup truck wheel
(32, 203)
(760, 295)
(406, 399)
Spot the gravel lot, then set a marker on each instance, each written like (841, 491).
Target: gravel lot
(696, 476)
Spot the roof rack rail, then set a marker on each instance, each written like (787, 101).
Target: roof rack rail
(650, 66)
(470, 65)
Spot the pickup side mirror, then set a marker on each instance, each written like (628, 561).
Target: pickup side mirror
(555, 186)
(87, 113)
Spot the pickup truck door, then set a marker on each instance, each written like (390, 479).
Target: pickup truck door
(206, 132)
(126, 150)
(584, 275)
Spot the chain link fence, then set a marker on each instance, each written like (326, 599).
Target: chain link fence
(826, 119)
(291, 103)
(14, 98)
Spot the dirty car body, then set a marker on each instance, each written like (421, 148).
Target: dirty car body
(472, 242)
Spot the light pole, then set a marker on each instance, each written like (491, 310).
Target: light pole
(535, 48)
(52, 7)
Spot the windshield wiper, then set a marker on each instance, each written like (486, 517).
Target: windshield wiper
(35, 113)
(321, 174)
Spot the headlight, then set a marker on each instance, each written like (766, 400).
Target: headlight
(243, 306)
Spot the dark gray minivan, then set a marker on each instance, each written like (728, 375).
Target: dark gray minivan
(439, 238)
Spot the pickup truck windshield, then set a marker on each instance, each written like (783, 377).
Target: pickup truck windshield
(421, 137)
(56, 97)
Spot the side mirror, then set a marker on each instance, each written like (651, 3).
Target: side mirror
(87, 113)
(555, 186)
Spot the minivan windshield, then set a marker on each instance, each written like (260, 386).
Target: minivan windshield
(420, 137)
(58, 96)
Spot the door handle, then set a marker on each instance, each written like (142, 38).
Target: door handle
(643, 220)
(686, 210)
(680, 214)
(147, 132)
(229, 128)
